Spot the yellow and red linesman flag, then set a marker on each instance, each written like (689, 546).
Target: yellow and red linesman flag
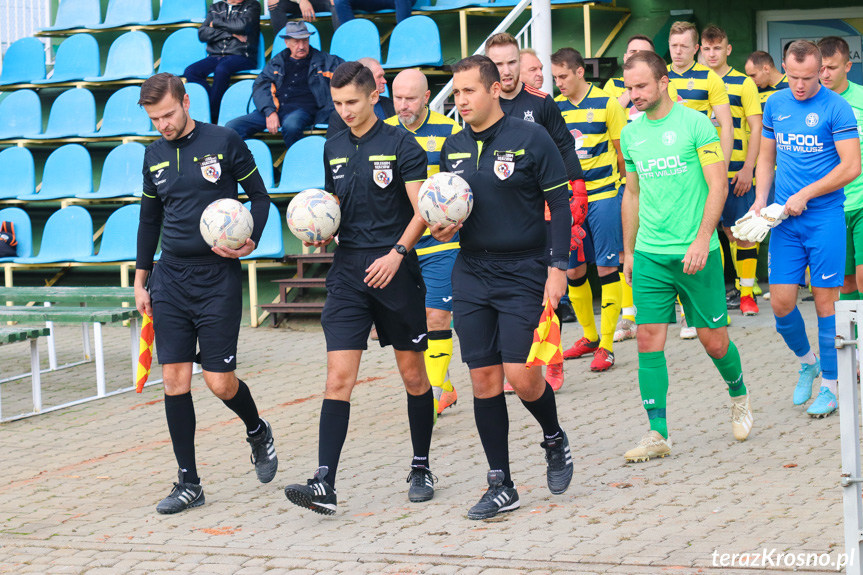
(546, 348)
(145, 352)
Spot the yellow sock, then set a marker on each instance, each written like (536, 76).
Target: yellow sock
(581, 298)
(437, 358)
(627, 304)
(746, 264)
(611, 297)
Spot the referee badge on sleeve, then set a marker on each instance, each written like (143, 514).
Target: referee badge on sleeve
(504, 164)
(211, 169)
(382, 172)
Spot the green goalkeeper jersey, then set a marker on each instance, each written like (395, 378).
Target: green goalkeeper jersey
(854, 191)
(668, 155)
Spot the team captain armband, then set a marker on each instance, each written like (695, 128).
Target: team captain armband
(710, 154)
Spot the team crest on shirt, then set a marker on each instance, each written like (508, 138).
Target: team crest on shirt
(431, 144)
(590, 115)
(210, 168)
(690, 85)
(669, 137)
(504, 164)
(382, 172)
(528, 116)
(812, 120)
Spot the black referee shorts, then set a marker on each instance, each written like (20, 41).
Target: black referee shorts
(397, 311)
(497, 302)
(197, 305)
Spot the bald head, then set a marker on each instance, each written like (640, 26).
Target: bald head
(377, 72)
(410, 96)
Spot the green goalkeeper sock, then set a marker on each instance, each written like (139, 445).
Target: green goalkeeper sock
(849, 296)
(731, 370)
(653, 383)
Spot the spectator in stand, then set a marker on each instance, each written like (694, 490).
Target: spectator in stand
(281, 10)
(531, 68)
(345, 8)
(293, 90)
(231, 31)
(383, 109)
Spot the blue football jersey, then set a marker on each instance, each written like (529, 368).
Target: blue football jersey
(806, 134)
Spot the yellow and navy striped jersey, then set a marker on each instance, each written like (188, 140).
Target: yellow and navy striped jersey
(616, 88)
(764, 93)
(594, 122)
(431, 135)
(743, 97)
(699, 88)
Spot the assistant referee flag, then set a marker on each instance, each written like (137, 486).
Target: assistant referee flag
(546, 348)
(145, 352)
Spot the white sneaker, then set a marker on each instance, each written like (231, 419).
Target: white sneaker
(741, 417)
(651, 445)
(687, 332)
(626, 329)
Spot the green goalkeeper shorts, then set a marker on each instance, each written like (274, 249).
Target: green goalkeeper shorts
(853, 241)
(657, 280)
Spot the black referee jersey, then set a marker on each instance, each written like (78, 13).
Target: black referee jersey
(181, 178)
(512, 168)
(368, 175)
(532, 105)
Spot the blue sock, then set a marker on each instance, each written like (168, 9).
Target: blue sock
(826, 345)
(793, 331)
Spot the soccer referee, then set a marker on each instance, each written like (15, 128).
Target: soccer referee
(195, 292)
(501, 279)
(375, 170)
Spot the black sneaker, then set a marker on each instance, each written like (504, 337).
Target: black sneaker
(565, 312)
(422, 484)
(497, 499)
(182, 497)
(559, 460)
(316, 494)
(264, 454)
(732, 298)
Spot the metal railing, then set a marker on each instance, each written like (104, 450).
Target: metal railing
(22, 18)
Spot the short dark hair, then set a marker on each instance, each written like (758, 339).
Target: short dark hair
(569, 57)
(500, 39)
(713, 34)
(760, 58)
(488, 72)
(356, 74)
(640, 37)
(653, 61)
(154, 89)
(800, 49)
(830, 45)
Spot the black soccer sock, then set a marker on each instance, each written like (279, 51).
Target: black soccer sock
(492, 423)
(180, 412)
(244, 406)
(544, 410)
(421, 420)
(332, 432)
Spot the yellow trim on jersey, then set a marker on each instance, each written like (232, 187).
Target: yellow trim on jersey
(459, 156)
(743, 97)
(382, 158)
(148, 195)
(247, 175)
(158, 167)
(336, 161)
(603, 195)
(555, 187)
(437, 248)
(710, 154)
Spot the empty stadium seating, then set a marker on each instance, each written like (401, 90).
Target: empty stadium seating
(20, 114)
(123, 115)
(130, 57)
(121, 173)
(77, 58)
(177, 11)
(19, 173)
(119, 238)
(415, 41)
(125, 12)
(76, 14)
(180, 49)
(236, 102)
(263, 159)
(303, 167)
(68, 235)
(72, 114)
(68, 172)
(24, 62)
(356, 39)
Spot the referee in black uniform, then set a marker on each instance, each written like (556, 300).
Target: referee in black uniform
(195, 292)
(501, 279)
(376, 171)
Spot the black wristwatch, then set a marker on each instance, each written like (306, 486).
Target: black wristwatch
(561, 265)
(400, 249)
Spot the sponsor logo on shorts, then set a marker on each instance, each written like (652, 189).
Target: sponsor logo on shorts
(228, 359)
(717, 318)
(419, 339)
(823, 277)
(447, 299)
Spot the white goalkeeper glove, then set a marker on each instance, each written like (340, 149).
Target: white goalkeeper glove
(754, 227)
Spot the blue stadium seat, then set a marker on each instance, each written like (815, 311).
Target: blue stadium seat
(120, 237)
(181, 49)
(199, 102)
(262, 47)
(77, 57)
(263, 159)
(68, 235)
(72, 114)
(123, 116)
(303, 167)
(19, 173)
(20, 113)
(23, 232)
(68, 172)
(415, 41)
(76, 14)
(355, 39)
(177, 11)
(236, 102)
(272, 244)
(441, 5)
(126, 12)
(130, 56)
(24, 62)
(121, 173)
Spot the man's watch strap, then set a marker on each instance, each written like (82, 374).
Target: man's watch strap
(400, 249)
(561, 265)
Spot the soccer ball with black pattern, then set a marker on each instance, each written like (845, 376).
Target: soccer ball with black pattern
(445, 198)
(314, 215)
(226, 223)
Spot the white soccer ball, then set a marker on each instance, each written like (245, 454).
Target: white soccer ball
(226, 223)
(445, 198)
(314, 216)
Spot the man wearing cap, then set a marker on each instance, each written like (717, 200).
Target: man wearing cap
(293, 90)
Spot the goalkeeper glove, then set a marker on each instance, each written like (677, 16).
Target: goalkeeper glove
(754, 227)
(576, 243)
(578, 202)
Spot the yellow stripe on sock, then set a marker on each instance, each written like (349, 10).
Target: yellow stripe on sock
(611, 298)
